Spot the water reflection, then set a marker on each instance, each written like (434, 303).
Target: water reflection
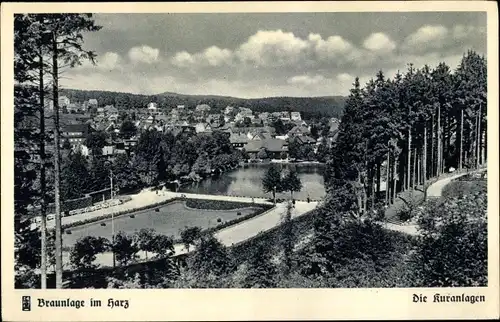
(247, 181)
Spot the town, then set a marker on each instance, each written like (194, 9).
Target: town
(261, 135)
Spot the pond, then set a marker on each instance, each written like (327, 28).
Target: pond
(170, 220)
(247, 181)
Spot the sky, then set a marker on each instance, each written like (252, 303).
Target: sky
(268, 54)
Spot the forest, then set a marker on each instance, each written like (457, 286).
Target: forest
(309, 107)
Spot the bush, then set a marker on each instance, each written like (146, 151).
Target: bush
(217, 204)
(452, 250)
(460, 188)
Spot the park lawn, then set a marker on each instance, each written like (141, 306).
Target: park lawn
(169, 220)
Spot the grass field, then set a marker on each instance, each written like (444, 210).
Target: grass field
(169, 220)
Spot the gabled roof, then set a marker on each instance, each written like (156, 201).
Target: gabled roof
(272, 145)
(84, 128)
(305, 139)
(298, 130)
(237, 138)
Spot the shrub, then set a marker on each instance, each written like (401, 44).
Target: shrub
(125, 248)
(452, 251)
(85, 250)
(217, 204)
(461, 188)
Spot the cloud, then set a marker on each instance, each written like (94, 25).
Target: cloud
(212, 56)
(143, 54)
(330, 48)
(182, 59)
(428, 36)
(108, 61)
(345, 77)
(272, 48)
(306, 80)
(379, 42)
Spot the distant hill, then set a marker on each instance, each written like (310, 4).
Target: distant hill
(310, 107)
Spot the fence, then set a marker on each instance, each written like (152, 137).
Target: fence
(100, 195)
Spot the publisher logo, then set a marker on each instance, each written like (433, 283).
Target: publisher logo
(26, 303)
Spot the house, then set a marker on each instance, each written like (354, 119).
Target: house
(92, 103)
(203, 127)
(106, 126)
(261, 136)
(295, 116)
(243, 112)
(76, 134)
(334, 124)
(130, 144)
(202, 108)
(228, 110)
(63, 101)
(73, 108)
(298, 131)
(152, 108)
(183, 129)
(238, 140)
(181, 107)
(264, 117)
(110, 110)
(304, 140)
(284, 116)
(250, 132)
(83, 149)
(273, 147)
(213, 118)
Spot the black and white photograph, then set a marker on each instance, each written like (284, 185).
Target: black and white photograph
(251, 150)
(287, 150)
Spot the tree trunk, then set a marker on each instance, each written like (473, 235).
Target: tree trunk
(419, 171)
(439, 158)
(461, 153)
(431, 174)
(43, 188)
(372, 204)
(478, 163)
(378, 177)
(424, 170)
(57, 196)
(387, 185)
(408, 177)
(414, 168)
(485, 145)
(394, 185)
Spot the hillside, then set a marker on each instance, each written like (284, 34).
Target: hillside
(310, 107)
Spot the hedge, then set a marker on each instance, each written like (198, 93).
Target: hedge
(218, 204)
